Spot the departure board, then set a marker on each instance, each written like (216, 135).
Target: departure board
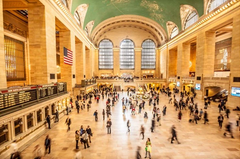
(22, 95)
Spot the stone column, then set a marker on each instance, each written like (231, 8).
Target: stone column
(172, 63)
(138, 62)
(74, 58)
(95, 70)
(116, 61)
(235, 58)
(157, 65)
(88, 64)
(66, 69)
(42, 44)
(79, 61)
(209, 54)
(183, 57)
(164, 63)
(3, 79)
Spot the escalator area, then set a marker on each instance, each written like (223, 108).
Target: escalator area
(222, 94)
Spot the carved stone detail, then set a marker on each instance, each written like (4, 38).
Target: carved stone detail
(14, 29)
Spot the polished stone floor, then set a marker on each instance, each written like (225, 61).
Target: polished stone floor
(197, 140)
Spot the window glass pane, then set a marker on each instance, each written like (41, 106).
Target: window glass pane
(148, 55)
(191, 19)
(105, 60)
(14, 59)
(174, 32)
(76, 16)
(214, 4)
(65, 2)
(127, 54)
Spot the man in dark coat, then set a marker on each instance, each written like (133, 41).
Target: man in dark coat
(174, 134)
(48, 119)
(47, 144)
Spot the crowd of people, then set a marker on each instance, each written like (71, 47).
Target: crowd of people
(186, 103)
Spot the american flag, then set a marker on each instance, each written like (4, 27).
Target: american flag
(68, 56)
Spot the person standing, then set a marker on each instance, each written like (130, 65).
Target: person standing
(68, 122)
(124, 108)
(153, 125)
(205, 117)
(128, 125)
(148, 148)
(237, 119)
(109, 124)
(174, 135)
(227, 112)
(142, 130)
(103, 114)
(77, 136)
(179, 115)
(48, 119)
(96, 115)
(47, 145)
(89, 131)
(164, 110)
(220, 120)
(85, 138)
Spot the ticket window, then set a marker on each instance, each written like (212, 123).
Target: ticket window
(3, 134)
(46, 112)
(29, 120)
(39, 116)
(53, 109)
(18, 125)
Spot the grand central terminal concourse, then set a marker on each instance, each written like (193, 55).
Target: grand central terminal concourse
(119, 79)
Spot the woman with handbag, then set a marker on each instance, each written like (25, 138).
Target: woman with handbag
(148, 148)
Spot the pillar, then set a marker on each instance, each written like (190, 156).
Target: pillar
(3, 79)
(157, 64)
(164, 63)
(183, 58)
(79, 61)
(42, 44)
(66, 69)
(138, 62)
(116, 61)
(235, 58)
(88, 63)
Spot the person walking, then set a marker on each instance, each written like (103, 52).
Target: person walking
(138, 155)
(148, 148)
(128, 125)
(68, 122)
(237, 119)
(142, 130)
(103, 114)
(109, 125)
(220, 120)
(227, 112)
(47, 145)
(48, 119)
(89, 131)
(174, 135)
(77, 137)
(228, 130)
(56, 116)
(37, 152)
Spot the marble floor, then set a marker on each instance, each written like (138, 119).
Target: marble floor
(197, 140)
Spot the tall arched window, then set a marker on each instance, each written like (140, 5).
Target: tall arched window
(214, 4)
(191, 19)
(148, 55)
(174, 32)
(65, 3)
(105, 58)
(127, 54)
(77, 17)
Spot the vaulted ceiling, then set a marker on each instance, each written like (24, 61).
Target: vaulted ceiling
(160, 11)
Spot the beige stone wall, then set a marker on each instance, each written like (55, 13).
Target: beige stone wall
(3, 83)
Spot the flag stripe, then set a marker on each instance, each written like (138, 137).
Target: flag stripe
(68, 56)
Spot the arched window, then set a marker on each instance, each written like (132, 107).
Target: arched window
(214, 4)
(65, 3)
(77, 18)
(148, 55)
(174, 32)
(105, 57)
(127, 54)
(191, 19)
